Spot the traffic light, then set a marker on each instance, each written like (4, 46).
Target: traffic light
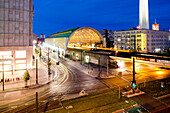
(133, 84)
(162, 84)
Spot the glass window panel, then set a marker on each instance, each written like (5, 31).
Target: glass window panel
(20, 61)
(20, 54)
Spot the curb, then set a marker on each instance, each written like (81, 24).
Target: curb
(32, 87)
(136, 94)
(163, 96)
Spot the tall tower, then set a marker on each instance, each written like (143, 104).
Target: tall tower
(16, 18)
(143, 14)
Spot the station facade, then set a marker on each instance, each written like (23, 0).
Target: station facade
(78, 38)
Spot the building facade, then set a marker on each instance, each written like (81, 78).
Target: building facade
(16, 19)
(84, 37)
(142, 40)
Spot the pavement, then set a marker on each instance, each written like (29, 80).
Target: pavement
(16, 81)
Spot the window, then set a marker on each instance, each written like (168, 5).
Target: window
(20, 61)
(5, 54)
(20, 54)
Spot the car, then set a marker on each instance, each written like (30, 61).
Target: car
(42, 57)
(57, 63)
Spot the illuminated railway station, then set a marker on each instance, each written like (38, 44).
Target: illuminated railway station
(78, 38)
(84, 44)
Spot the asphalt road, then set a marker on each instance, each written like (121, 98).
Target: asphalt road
(145, 71)
(68, 84)
(78, 81)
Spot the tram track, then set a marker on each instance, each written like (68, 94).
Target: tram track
(44, 94)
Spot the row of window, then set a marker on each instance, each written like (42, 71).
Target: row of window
(133, 32)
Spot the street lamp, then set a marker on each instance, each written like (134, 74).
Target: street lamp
(48, 64)
(3, 72)
(134, 70)
(99, 65)
(36, 70)
(108, 65)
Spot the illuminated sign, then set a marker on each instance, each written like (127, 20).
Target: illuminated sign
(138, 27)
(155, 27)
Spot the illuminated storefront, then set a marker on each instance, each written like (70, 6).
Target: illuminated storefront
(14, 60)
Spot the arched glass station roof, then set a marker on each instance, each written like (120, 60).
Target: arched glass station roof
(79, 37)
(85, 35)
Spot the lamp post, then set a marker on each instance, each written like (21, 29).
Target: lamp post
(82, 56)
(36, 71)
(134, 70)
(107, 65)
(48, 64)
(58, 52)
(134, 81)
(3, 73)
(99, 65)
(12, 65)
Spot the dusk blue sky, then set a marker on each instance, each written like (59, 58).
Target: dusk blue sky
(51, 16)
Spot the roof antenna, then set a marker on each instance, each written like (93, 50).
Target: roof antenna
(155, 21)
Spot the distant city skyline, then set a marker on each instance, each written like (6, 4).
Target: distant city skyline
(53, 16)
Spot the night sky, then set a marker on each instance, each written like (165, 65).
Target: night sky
(56, 15)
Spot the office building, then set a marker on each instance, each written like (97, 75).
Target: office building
(142, 40)
(16, 35)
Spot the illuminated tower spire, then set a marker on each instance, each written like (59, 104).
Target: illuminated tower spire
(143, 14)
(155, 21)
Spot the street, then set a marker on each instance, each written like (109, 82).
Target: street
(145, 70)
(70, 81)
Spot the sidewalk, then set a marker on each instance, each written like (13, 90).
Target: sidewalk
(90, 69)
(16, 81)
(77, 64)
